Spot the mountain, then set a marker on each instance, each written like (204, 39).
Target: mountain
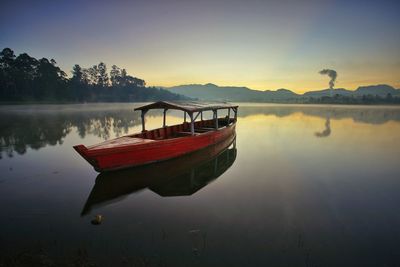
(230, 93)
(214, 92)
(326, 92)
(380, 89)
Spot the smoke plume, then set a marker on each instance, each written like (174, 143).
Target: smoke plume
(331, 74)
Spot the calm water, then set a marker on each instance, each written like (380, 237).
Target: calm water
(300, 186)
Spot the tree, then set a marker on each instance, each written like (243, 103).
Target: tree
(85, 77)
(123, 77)
(135, 81)
(115, 75)
(126, 80)
(25, 78)
(77, 74)
(93, 75)
(389, 98)
(102, 75)
(6, 58)
(50, 81)
(7, 81)
(26, 71)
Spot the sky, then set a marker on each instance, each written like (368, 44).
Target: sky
(264, 45)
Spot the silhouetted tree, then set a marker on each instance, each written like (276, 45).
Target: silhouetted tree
(25, 78)
(115, 75)
(102, 79)
(50, 81)
(7, 79)
(122, 80)
(77, 74)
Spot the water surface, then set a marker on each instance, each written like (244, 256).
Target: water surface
(302, 185)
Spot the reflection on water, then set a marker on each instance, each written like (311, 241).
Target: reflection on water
(286, 199)
(182, 176)
(327, 131)
(35, 127)
(365, 114)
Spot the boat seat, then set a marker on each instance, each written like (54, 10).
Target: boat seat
(185, 133)
(198, 130)
(205, 128)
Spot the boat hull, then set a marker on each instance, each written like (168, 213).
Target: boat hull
(121, 157)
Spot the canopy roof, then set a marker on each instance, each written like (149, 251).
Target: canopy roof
(188, 106)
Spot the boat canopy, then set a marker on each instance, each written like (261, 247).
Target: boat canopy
(188, 106)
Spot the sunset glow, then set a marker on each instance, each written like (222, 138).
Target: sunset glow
(259, 44)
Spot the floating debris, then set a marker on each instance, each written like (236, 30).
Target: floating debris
(195, 236)
(97, 219)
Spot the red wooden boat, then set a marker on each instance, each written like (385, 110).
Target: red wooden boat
(163, 143)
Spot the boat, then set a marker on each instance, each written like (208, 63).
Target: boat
(167, 142)
(181, 176)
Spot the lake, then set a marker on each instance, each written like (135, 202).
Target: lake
(302, 185)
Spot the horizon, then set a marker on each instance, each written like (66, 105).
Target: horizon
(304, 91)
(257, 45)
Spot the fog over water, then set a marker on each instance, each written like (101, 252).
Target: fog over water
(302, 185)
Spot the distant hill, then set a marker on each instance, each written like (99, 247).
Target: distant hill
(381, 90)
(242, 94)
(230, 93)
(326, 92)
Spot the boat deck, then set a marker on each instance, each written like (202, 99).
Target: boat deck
(122, 141)
(181, 130)
(169, 132)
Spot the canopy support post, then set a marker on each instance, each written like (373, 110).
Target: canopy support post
(195, 118)
(235, 111)
(216, 119)
(191, 123)
(143, 121)
(229, 115)
(184, 116)
(201, 115)
(164, 119)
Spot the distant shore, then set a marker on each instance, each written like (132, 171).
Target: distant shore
(9, 103)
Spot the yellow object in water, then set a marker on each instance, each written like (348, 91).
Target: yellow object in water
(97, 219)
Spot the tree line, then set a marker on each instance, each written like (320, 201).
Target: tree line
(26, 79)
(389, 99)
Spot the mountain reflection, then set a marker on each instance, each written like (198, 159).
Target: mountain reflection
(34, 127)
(182, 176)
(364, 114)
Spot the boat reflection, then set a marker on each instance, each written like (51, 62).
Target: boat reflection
(182, 176)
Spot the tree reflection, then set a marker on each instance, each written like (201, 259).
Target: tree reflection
(20, 131)
(30, 127)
